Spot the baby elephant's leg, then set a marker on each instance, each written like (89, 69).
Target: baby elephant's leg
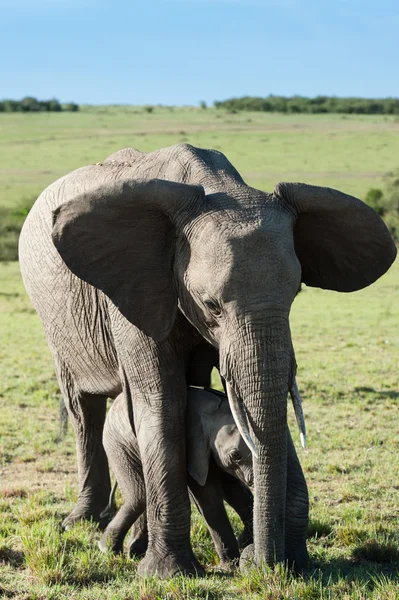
(130, 478)
(115, 533)
(138, 540)
(123, 455)
(209, 500)
(238, 495)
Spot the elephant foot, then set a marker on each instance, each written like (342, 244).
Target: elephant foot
(297, 558)
(228, 557)
(164, 566)
(228, 564)
(110, 541)
(247, 558)
(86, 513)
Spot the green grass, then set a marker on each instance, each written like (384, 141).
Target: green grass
(347, 348)
(352, 153)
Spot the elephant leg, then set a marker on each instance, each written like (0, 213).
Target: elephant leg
(240, 498)
(87, 413)
(296, 516)
(123, 454)
(160, 427)
(115, 532)
(154, 381)
(138, 540)
(209, 501)
(297, 512)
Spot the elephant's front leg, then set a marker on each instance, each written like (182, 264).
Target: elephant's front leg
(296, 516)
(296, 512)
(154, 381)
(160, 429)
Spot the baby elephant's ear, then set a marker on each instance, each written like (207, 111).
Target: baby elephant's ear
(198, 456)
(198, 442)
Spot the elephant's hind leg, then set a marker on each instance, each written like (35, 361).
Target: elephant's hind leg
(87, 413)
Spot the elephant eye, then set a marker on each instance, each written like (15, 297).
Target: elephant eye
(235, 455)
(213, 307)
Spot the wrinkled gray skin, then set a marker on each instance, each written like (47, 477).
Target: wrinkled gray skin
(220, 468)
(217, 459)
(132, 263)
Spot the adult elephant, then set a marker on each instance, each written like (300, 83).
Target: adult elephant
(133, 262)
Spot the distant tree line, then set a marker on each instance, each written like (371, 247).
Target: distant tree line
(320, 104)
(30, 104)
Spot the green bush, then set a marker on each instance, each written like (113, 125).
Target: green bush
(53, 106)
(10, 105)
(30, 104)
(375, 199)
(319, 104)
(70, 107)
(11, 221)
(386, 202)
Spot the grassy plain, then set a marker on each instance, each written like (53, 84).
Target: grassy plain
(347, 349)
(348, 152)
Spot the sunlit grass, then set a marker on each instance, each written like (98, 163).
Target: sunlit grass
(351, 153)
(349, 378)
(347, 349)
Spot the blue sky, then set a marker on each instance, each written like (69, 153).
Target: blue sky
(184, 51)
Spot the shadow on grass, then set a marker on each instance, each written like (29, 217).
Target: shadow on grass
(380, 394)
(318, 529)
(7, 593)
(374, 551)
(358, 571)
(14, 558)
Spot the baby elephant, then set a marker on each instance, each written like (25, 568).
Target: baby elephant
(219, 468)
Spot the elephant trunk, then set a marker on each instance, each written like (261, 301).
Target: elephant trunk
(259, 366)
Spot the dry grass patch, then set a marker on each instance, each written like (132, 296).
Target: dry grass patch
(13, 493)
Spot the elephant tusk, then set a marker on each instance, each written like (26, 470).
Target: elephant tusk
(238, 411)
(297, 403)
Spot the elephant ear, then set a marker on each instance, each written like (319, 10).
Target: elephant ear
(120, 238)
(197, 433)
(341, 243)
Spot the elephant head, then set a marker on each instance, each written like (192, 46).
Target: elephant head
(232, 258)
(211, 430)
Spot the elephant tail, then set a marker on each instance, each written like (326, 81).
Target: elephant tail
(63, 420)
